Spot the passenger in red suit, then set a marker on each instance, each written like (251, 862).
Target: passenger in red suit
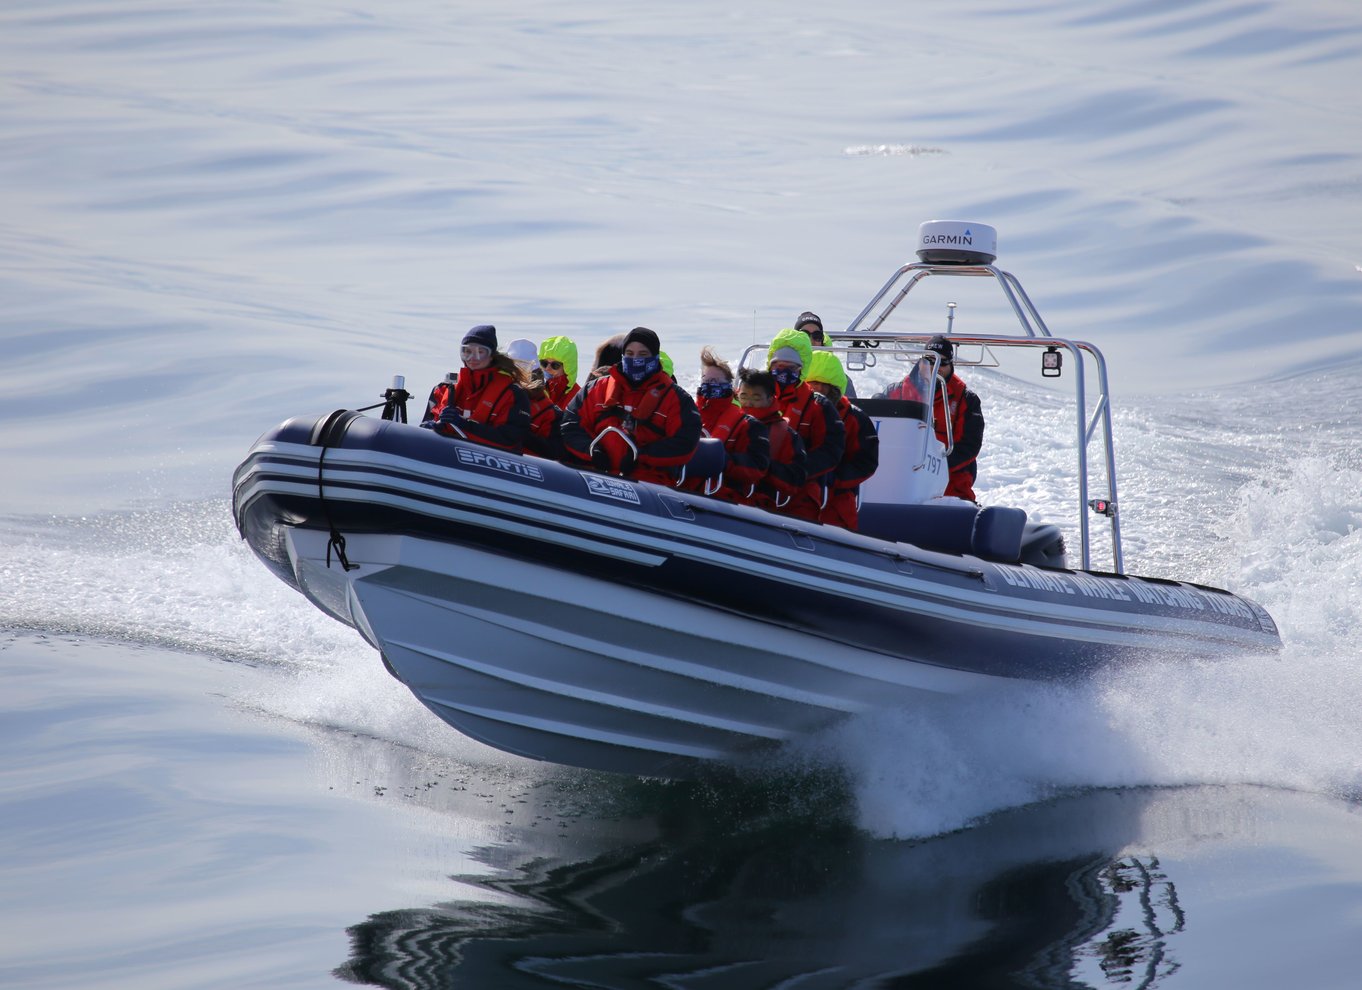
(633, 421)
(785, 475)
(862, 455)
(543, 439)
(558, 360)
(811, 416)
(487, 404)
(959, 418)
(746, 442)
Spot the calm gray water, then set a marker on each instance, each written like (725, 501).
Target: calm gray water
(215, 217)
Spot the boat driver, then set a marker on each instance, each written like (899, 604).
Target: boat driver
(960, 418)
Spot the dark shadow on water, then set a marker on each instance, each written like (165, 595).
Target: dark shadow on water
(772, 885)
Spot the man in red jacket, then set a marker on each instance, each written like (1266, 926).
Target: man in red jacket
(633, 421)
(959, 418)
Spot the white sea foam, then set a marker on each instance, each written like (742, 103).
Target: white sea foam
(1290, 537)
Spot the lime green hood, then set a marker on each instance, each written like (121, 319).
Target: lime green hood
(799, 341)
(561, 349)
(825, 367)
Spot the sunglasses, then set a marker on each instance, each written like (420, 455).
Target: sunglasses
(551, 365)
(475, 351)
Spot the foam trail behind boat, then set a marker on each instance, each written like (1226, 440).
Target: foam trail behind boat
(1286, 722)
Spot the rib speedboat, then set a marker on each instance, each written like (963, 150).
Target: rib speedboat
(588, 620)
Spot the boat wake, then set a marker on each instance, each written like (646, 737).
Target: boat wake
(1286, 721)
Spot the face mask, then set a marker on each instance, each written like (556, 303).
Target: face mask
(639, 369)
(715, 390)
(786, 376)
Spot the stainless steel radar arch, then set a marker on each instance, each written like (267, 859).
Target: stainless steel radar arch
(1034, 334)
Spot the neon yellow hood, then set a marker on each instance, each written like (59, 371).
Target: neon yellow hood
(799, 341)
(825, 367)
(561, 349)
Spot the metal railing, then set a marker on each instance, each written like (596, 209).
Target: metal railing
(1034, 334)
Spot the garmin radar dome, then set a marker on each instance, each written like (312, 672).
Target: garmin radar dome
(956, 242)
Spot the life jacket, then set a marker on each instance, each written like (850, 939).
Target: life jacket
(949, 422)
(719, 417)
(558, 390)
(784, 478)
(482, 396)
(494, 409)
(822, 434)
(859, 463)
(543, 439)
(796, 406)
(661, 419)
(439, 398)
(611, 399)
(949, 418)
(728, 423)
(544, 415)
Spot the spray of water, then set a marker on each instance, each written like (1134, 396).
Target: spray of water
(1290, 538)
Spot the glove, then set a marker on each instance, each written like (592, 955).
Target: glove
(627, 459)
(428, 424)
(452, 422)
(600, 459)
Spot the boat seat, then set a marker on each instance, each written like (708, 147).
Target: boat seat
(993, 533)
(708, 461)
(998, 533)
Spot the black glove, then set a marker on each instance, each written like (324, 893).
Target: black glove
(453, 422)
(627, 462)
(600, 458)
(428, 424)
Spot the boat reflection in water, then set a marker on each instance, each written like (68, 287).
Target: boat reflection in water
(1045, 896)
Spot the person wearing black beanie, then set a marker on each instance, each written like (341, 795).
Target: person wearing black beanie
(633, 421)
(644, 336)
(483, 334)
(811, 325)
(487, 403)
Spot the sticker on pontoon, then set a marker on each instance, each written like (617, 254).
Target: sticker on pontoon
(1133, 589)
(482, 458)
(611, 488)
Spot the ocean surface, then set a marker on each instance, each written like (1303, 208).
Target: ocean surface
(214, 217)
